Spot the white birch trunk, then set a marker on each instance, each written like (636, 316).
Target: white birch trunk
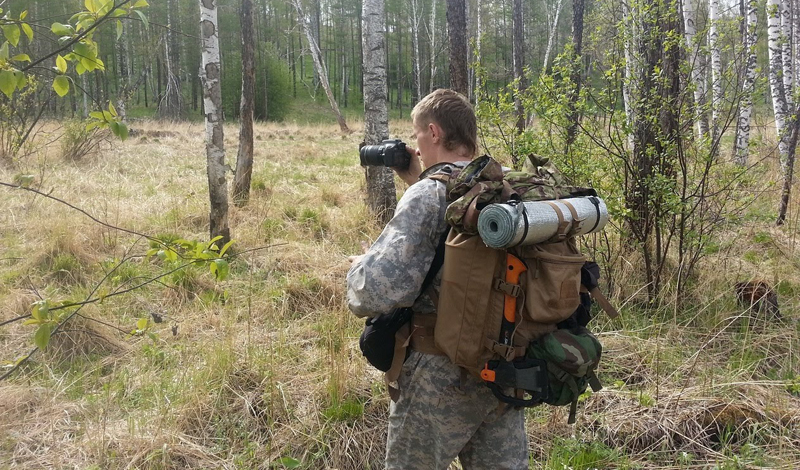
(381, 194)
(796, 36)
(478, 56)
(415, 45)
(696, 61)
(432, 34)
(716, 66)
(748, 87)
(631, 68)
(212, 101)
(551, 36)
(776, 83)
(319, 65)
(786, 52)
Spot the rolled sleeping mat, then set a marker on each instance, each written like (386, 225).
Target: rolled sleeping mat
(529, 223)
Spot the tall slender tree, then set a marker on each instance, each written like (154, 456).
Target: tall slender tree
(716, 65)
(212, 102)
(244, 159)
(381, 192)
(319, 65)
(748, 85)
(779, 106)
(457, 32)
(518, 55)
(578, 7)
(697, 65)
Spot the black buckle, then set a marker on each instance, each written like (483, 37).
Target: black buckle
(528, 375)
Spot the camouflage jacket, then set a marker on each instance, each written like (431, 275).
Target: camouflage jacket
(391, 273)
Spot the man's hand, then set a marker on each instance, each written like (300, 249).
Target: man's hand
(353, 259)
(410, 175)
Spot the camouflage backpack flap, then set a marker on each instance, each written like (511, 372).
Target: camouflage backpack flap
(484, 182)
(572, 355)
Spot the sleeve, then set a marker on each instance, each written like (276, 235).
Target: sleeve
(391, 273)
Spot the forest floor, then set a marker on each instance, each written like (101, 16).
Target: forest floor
(263, 370)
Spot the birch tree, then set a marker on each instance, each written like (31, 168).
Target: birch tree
(696, 63)
(716, 65)
(432, 41)
(416, 75)
(244, 159)
(519, 53)
(381, 193)
(778, 92)
(552, 18)
(319, 65)
(212, 102)
(171, 104)
(457, 32)
(786, 52)
(748, 86)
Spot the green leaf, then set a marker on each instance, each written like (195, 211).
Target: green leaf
(24, 180)
(61, 64)
(8, 83)
(23, 15)
(42, 336)
(220, 269)
(97, 115)
(26, 28)
(141, 4)
(112, 109)
(21, 58)
(12, 33)
(119, 29)
(141, 324)
(289, 462)
(4, 51)
(62, 29)
(80, 68)
(22, 80)
(123, 135)
(61, 85)
(225, 247)
(91, 5)
(143, 18)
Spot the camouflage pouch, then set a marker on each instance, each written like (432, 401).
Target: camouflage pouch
(572, 355)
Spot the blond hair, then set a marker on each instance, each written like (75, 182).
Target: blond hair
(452, 112)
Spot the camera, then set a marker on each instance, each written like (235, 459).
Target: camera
(391, 153)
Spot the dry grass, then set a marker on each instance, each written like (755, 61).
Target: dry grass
(273, 371)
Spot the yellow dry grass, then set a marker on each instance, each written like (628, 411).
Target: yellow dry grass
(273, 372)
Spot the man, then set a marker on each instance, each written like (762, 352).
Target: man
(441, 412)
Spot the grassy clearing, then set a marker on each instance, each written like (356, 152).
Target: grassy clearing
(263, 370)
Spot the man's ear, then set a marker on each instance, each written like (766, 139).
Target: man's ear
(436, 132)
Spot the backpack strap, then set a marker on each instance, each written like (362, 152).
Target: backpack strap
(603, 302)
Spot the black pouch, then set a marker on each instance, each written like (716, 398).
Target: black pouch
(377, 339)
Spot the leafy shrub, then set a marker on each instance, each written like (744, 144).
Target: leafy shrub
(270, 69)
(78, 143)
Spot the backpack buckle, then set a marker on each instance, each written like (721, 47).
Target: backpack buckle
(511, 290)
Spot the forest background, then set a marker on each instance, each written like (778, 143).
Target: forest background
(133, 340)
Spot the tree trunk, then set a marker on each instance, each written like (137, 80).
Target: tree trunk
(432, 35)
(519, 54)
(577, 41)
(696, 65)
(319, 66)
(551, 36)
(786, 52)
(171, 104)
(478, 55)
(244, 160)
(381, 193)
(748, 87)
(776, 83)
(457, 32)
(212, 102)
(788, 173)
(716, 66)
(417, 83)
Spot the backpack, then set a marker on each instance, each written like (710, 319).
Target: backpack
(539, 285)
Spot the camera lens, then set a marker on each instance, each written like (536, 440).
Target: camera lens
(371, 155)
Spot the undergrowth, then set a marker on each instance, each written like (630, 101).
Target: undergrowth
(263, 370)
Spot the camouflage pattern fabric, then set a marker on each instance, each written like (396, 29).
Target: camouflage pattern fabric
(438, 418)
(575, 352)
(434, 419)
(482, 181)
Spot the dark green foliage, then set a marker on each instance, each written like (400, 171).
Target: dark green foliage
(273, 85)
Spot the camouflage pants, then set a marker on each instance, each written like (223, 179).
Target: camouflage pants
(435, 420)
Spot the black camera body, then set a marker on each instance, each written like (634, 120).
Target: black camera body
(390, 152)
